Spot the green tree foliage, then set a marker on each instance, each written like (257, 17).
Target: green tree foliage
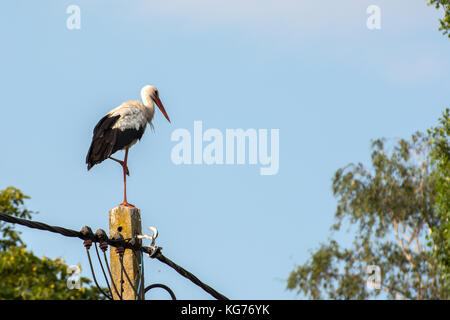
(12, 202)
(392, 207)
(440, 155)
(445, 21)
(22, 274)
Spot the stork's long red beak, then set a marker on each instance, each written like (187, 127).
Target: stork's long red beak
(161, 107)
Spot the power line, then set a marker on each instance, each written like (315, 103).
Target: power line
(190, 276)
(100, 237)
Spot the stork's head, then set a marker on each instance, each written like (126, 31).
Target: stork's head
(149, 95)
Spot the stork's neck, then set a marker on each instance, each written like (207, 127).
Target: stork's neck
(149, 107)
(148, 102)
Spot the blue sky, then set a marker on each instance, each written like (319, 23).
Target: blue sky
(313, 71)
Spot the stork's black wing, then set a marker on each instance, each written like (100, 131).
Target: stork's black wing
(103, 141)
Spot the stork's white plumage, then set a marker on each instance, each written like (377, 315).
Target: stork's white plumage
(121, 128)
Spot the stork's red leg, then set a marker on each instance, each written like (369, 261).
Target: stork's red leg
(125, 170)
(122, 164)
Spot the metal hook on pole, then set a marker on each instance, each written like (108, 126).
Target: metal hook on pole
(152, 238)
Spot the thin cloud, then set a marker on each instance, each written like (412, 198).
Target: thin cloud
(416, 71)
(328, 16)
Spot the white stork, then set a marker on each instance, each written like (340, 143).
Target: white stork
(121, 128)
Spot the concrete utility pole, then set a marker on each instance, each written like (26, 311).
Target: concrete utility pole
(127, 222)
